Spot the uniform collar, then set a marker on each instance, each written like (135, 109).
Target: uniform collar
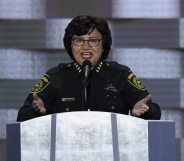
(99, 68)
(75, 66)
(102, 70)
(78, 67)
(75, 69)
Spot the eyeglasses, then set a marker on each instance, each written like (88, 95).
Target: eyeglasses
(91, 42)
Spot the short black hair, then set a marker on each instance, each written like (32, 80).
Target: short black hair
(81, 25)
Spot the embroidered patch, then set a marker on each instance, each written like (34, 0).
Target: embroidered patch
(133, 80)
(42, 83)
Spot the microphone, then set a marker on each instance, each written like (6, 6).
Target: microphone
(86, 65)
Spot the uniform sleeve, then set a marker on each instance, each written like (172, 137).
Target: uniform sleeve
(134, 91)
(26, 112)
(43, 89)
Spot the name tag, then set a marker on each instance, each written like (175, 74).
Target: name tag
(68, 99)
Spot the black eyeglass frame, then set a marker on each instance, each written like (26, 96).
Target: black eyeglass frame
(83, 41)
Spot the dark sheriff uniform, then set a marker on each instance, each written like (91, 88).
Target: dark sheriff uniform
(112, 88)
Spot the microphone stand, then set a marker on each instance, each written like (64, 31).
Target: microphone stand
(84, 100)
(86, 69)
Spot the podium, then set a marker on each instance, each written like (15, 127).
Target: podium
(91, 136)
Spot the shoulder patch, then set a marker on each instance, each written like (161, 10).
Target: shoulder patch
(41, 84)
(133, 80)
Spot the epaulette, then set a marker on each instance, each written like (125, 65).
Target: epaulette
(46, 79)
(117, 66)
(57, 69)
(131, 77)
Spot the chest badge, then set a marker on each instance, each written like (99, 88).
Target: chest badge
(111, 88)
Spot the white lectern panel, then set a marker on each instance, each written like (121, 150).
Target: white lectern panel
(91, 136)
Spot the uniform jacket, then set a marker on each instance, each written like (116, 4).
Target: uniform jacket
(111, 88)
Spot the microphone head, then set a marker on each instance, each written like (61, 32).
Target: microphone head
(86, 66)
(86, 63)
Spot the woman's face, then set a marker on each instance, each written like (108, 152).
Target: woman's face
(87, 47)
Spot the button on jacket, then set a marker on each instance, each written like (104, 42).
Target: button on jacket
(111, 88)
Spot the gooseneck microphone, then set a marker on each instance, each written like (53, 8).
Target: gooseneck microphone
(86, 67)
